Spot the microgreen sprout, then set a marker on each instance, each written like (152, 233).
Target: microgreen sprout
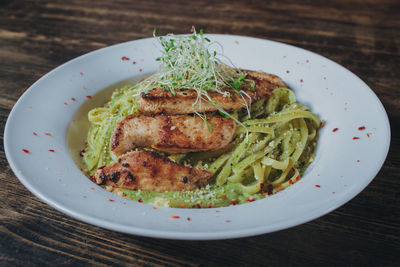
(195, 62)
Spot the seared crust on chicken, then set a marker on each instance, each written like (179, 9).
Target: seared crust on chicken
(158, 101)
(172, 134)
(149, 171)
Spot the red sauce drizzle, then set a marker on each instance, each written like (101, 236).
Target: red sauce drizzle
(88, 96)
(65, 103)
(48, 134)
(361, 128)
(334, 130)
(140, 200)
(35, 134)
(134, 62)
(26, 151)
(73, 98)
(124, 58)
(51, 150)
(301, 80)
(355, 138)
(317, 185)
(111, 200)
(175, 217)
(287, 71)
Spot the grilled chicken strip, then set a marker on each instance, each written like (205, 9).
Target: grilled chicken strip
(158, 101)
(149, 171)
(172, 134)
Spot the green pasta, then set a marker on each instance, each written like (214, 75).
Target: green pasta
(270, 151)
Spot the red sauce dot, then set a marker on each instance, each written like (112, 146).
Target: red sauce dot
(48, 134)
(140, 70)
(287, 71)
(92, 188)
(84, 196)
(334, 130)
(301, 80)
(81, 73)
(317, 185)
(355, 138)
(26, 151)
(111, 200)
(154, 208)
(188, 218)
(51, 150)
(134, 62)
(73, 98)
(65, 103)
(361, 128)
(236, 42)
(124, 58)
(307, 61)
(88, 96)
(333, 193)
(368, 135)
(35, 134)
(175, 217)
(358, 160)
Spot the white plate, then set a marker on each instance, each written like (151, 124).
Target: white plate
(343, 166)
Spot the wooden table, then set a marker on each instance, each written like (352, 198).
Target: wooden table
(363, 36)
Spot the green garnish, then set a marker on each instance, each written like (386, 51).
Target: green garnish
(187, 63)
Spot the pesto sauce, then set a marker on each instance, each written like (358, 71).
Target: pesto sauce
(209, 196)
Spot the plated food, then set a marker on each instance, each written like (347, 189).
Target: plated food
(43, 147)
(200, 132)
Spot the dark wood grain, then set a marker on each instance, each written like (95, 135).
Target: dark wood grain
(363, 36)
